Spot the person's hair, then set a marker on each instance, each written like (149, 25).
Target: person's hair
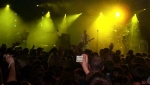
(96, 62)
(63, 61)
(53, 58)
(130, 52)
(138, 55)
(67, 73)
(116, 59)
(109, 65)
(79, 74)
(25, 50)
(138, 60)
(138, 72)
(88, 51)
(36, 78)
(118, 52)
(70, 60)
(117, 71)
(125, 69)
(49, 80)
(70, 82)
(121, 80)
(101, 52)
(98, 79)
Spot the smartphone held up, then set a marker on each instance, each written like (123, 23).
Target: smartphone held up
(79, 58)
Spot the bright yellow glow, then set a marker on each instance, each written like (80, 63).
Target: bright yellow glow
(72, 18)
(134, 19)
(63, 25)
(47, 24)
(134, 32)
(117, 14)
(103, 24)
(101, 13)
(10, 25)
(104, 27)
(7, 6)
(109, 27)
(43, 33)
(48, 14)
(67, 21)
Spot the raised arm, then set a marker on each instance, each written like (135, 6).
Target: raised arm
(85, 64)
(11, 67)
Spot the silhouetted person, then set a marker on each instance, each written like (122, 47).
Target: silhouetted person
(85, 40)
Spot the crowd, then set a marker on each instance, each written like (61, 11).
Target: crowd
(30, 66)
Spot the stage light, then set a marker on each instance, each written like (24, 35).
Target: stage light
(80, 13)
(7, 6)
(117, 14)
(37, 5)
(101, 14)
(135, 19)
(48, 14)
(63, 25)
(134, 34)
(42, 17)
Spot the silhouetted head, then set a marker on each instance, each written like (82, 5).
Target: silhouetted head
(84, 31)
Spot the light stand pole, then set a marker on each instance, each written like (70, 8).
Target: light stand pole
(97, 42)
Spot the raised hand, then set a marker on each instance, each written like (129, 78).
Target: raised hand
(84, 64)
(111, 46)
(9, 59)
(33, 46)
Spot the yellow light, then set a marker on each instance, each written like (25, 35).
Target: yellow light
(67, 21)
(7, 6)
(48, 14)
(72, 18)
(134, 19)
(63, 25)
(117, 14)
(101, 14)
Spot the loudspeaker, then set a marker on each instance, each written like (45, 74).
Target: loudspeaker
(65, 40)
(143, 47)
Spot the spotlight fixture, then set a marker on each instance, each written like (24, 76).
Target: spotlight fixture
(7, 6)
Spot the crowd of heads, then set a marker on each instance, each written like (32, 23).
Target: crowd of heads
(59, 66)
